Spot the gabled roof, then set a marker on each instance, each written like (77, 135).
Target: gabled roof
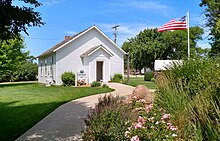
(65, 42)
(94, 49)
(51, 50)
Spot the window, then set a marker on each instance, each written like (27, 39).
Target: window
(45, 67)
(51, 66)
(52, 59)
(41, 67)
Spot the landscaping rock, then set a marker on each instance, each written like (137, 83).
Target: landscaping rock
(142, 92)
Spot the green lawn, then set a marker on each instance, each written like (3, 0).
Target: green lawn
(23, 105)
(134, 81)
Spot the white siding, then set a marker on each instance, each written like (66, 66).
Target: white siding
(48, 68)
(68, 57)
(99, 55)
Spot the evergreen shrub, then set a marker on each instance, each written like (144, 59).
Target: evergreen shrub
(68, 78)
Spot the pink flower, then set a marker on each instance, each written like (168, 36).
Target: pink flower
(141, 119)
(169, 124)
(166, 116)
(149, 107)
(135, 138)
(173, 128)
(138, 125)
(141, 122)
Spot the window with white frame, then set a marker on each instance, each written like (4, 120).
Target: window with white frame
(45, 68)
(41, 67)
(51, 66)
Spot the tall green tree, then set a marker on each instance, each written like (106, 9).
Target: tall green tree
(11, 56)
(150, 45)
(176, 43)
(212, 12)
(144, 48)
(16, 63)
(15, 19)
(201, 52)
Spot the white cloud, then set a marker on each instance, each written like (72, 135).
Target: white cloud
(125, 30)
(52, 2)
(71, 32)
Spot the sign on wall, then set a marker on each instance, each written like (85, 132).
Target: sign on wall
(81, 78)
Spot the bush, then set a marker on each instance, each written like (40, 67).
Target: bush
(107, 121)
(105, 86)
(117, 78)
(115, 119)
(152, 79)
(28, 72)
(68, 78)
(95, 84)
(22, 72)
(190, 92)
(196, 75)
(148, 76)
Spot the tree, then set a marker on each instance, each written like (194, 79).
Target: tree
(144, 48)
(15, 63)
(28, 71)
(201, 52)
(15, 19)
(212, 12)
(177, 43)
(150, 45)
(11, 56)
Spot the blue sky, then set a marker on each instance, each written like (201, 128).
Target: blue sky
(68, 17)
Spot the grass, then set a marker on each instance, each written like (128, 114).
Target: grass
(23, 105)
(134, 81)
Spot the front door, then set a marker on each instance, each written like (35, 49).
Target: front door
(99, 70)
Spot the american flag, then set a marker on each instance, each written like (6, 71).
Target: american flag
(175, 24)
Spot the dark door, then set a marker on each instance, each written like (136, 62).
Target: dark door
(99, 70)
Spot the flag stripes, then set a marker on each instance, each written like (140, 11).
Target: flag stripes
(175, 24)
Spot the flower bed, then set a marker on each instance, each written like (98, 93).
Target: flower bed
(135, 118)
(153, 123)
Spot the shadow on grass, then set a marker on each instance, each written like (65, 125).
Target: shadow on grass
(15, 120)
(15, 84)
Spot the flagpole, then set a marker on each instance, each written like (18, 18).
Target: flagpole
(188, 34)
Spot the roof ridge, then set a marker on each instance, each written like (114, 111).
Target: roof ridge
(50, 50)
(92, 49)
(64, 42)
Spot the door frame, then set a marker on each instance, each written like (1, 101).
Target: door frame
(102, 70)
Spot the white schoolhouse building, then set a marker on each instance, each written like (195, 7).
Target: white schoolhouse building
(89, 54)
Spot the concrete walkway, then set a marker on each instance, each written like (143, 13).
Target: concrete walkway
(67, 121)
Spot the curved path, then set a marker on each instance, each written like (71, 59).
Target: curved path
(67, 121)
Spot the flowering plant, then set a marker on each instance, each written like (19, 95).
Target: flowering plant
(81, 82)
(153, 123)
(136, 118)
